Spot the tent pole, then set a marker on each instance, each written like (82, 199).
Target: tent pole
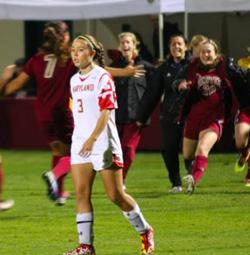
(88, 26)
(186, 25)
(160, 25)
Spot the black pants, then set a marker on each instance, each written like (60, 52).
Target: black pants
(172, 140)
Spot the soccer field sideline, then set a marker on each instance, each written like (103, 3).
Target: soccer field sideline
(215, 220)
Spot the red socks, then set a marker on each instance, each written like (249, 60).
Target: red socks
(199, 166)
(62, 168)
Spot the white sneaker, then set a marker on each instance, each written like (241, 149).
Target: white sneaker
(175, 189)
(189, 179)
(52, 185)
(63, 198)
(6, 204)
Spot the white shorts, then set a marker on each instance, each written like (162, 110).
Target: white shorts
(99, 161)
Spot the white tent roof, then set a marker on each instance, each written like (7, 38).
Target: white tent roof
(84, 9)
(216, 5)
(92, 9)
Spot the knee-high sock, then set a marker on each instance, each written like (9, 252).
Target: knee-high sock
(84, 223)
(62, 168)
(248, 170)
(244, 152)
(137, 220)
(199, 166)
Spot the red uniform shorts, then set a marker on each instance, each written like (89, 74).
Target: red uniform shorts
(243, 116)
(57, 125)
(193, 128)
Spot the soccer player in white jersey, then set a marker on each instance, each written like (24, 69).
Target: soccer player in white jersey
(96, 146)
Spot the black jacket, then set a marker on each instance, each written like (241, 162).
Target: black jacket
(160, 86)
(240, 80)
(130, 90)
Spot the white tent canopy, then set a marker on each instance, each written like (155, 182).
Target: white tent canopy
(84, 9)
(198, 6)
(93, 9)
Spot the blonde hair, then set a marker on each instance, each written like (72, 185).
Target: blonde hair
(134, 40)
(214, 44)
(196, 40)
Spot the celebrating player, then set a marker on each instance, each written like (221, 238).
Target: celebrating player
(209, 103)
(242, 124)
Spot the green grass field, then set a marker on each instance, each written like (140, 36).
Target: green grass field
(213, 221)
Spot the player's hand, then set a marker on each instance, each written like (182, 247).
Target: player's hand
(184, 85)
(87, 147)
(139, 124)
(137, 71)
(8, 73)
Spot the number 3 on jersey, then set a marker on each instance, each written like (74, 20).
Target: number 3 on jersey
(80, 105)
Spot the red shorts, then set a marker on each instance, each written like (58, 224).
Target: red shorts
(57, 125)
(243, 116)
(192, 128)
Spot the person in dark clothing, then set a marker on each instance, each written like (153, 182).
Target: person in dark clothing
(169, 29)
(161, 87)
(129, 93)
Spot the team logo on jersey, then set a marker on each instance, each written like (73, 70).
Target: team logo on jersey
(85, 87)
(208, 84)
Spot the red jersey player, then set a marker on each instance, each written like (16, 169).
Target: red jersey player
(208, 106)
(52, 68)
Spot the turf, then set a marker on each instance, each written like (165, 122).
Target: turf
(213, 221)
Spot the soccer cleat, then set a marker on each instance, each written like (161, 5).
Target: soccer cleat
(6, 204)
(62, 198)
(247, 183)
(189, 179)
(147, 242)
(82, 249)
(241, 163)
(239, 166)
(52, 185)
(175, 189)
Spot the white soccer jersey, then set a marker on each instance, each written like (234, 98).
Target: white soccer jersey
(92, 93)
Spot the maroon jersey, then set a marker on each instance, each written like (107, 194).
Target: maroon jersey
(53, 92)
(210, 104)
(52, 80)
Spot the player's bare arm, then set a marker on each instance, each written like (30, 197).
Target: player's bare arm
(16, 84)
(136, 71)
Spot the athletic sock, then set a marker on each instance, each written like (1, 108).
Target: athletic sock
(62, 168)
(84, 223)
(199, 166)
(244, 153)
(188, 165)
(137, 220)
(248, 170)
